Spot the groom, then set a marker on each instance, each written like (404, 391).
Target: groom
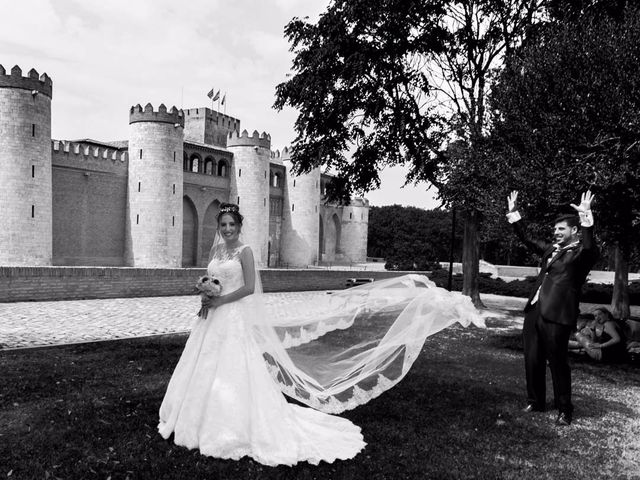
(553, 306)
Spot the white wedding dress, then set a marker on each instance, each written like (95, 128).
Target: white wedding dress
(222, 399)
(333, 353)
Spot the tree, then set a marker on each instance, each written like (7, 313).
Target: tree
(372, 79)
(359, 88)
(408, 235)
(568, 107)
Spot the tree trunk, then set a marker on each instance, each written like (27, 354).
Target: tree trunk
(471, 257)
(611, 258)
(620, 297)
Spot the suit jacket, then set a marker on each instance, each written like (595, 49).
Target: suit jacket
(561, 278)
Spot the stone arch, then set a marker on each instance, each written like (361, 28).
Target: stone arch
(223, 168)
(332, 237)
(321, 245)
(189, 232)
(338, 225)
(208, 165)
(209, 228)
(195, 163)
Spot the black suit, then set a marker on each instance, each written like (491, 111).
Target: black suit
(549, 321)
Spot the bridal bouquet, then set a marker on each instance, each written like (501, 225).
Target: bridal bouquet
(207, 287)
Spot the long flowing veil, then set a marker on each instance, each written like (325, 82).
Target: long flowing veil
(340, 350)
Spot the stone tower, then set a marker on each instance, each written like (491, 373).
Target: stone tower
(25, 168)
(208, 126)
(300, 217)
(249, 188)
(155, 186)
(355, 226)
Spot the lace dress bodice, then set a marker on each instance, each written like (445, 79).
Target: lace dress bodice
(226, 267)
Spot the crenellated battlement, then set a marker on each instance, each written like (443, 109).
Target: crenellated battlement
(212, 116)
(86, 152)
(285, 154)
(359, 202)
(32, 82)
(147, 114)
(243, 139)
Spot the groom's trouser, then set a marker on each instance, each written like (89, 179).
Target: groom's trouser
(544, 340)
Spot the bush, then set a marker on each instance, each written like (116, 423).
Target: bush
(418, 265)
(591, 292)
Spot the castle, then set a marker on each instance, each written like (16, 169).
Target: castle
(152, 200)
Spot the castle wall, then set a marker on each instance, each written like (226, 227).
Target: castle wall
(67, 283)
(206, 193)
(249, 188)
(89, 204)
(25, 168)
(355, 224)
(301, 217)
(331, 238)
(277, 174)
(145, 203)
(155, 188)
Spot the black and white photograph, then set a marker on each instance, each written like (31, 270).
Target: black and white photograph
(331, 239)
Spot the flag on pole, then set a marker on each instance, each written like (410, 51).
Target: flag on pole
(224, 98)
(210, 94)
(216, 96)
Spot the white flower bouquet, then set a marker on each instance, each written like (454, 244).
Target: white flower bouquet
(208, 287)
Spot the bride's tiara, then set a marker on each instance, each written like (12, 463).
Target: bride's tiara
(229, 208)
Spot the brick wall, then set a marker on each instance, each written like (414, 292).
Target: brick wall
(89, 210)
(67, 283)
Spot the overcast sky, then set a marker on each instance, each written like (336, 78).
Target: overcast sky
(106, 55)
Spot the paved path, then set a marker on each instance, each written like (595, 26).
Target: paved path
(35, 324)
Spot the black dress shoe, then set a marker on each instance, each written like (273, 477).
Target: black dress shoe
(533, 407)
(564, 419)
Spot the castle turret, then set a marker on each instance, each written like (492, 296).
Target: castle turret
(300, 217)
(250, 188)
(25, 168)
(354, 230)
(155, 185)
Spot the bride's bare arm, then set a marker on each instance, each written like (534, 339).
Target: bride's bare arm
(249, 274)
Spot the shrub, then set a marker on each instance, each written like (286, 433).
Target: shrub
(591, 292)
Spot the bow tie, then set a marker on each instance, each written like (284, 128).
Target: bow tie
(558, 248)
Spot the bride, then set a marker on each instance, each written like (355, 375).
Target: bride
(332, 354)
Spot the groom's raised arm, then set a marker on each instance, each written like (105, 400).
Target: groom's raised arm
(589, 247)
(513, 217)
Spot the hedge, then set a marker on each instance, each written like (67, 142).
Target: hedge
(591, 292)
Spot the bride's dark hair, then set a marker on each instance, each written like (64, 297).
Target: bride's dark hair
(230, 209)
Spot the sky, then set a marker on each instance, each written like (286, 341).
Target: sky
(106, 55)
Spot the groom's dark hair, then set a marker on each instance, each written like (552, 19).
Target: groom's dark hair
(572, 220)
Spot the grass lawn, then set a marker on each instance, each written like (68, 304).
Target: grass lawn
(90, 411)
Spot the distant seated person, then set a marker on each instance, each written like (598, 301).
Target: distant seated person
(584, 326)
(632, 334)
(603, 341)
